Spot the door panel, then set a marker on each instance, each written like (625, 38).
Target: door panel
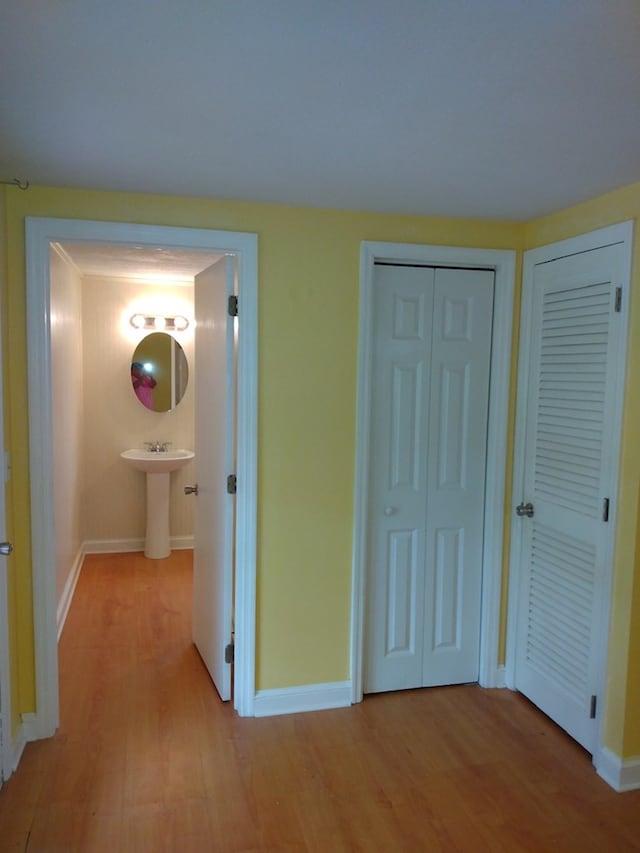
(401, 584)
(456, 453)
(214, 448)
(403, 306)
(570, 411)
(447, 622)
(432, 332)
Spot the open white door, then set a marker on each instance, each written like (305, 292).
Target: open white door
(214, 449)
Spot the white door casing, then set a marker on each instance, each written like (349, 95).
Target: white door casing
(502, 263)
(430, 395)
(214, 461)
(568, 426)
(7, 758)
(40, 233)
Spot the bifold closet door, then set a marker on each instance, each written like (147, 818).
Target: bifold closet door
(430, 392)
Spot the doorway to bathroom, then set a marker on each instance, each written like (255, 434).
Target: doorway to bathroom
(235, 251)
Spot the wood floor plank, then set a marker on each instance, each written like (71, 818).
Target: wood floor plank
(148, 759)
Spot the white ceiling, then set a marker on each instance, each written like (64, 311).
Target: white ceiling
(500, 108)
(154, 265)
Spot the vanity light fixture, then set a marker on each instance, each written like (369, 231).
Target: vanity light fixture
(159, 322)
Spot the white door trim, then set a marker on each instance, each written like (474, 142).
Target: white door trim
(40, 232)
(614, 234)
(503, 262)
(7, 751)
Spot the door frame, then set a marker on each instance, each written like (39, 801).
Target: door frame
(8, 751)
(40, 233)
(503, 263)
(613, 234)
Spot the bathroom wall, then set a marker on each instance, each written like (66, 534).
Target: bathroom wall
(113, 495)
(66, 374)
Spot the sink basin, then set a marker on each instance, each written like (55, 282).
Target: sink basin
(157, 465)
(157, 462)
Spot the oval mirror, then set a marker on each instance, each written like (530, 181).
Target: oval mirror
(159, 372)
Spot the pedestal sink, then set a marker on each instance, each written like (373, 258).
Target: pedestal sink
(157, 465)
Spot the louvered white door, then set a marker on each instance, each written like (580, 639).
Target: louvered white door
(568, 459)
(432, 342)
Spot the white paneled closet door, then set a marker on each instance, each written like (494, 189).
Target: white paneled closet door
(567, 460)
(430, 390)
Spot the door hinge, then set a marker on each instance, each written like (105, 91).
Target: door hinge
(617, 306)
(605, 509)
(232, 484)
(232, 306)
(524, 509)
(592, 709)
(229, 653)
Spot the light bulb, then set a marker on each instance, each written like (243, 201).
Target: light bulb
(180, 323)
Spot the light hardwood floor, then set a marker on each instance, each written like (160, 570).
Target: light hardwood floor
(148, 759)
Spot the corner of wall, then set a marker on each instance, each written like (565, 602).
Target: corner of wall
(623, 774)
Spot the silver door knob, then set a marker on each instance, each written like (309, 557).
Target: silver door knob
(6, 548)
(191, 490)
(525, 509)
(390, 510)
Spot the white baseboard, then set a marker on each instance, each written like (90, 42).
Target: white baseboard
(124, 546)
(26, 733)
(13, 747)
(69, 589)
(181, 543)
(307, 697)
(501, 676)
(623, 774)
(492, 677)
(112, 546)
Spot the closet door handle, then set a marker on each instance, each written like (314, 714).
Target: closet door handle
(5, 548)
(390, 510)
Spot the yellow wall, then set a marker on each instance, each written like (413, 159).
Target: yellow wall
(622, 723)
(308, 324)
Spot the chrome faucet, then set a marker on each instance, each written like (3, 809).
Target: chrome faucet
(157, 446)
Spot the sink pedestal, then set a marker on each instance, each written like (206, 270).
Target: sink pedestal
(156, 543)
(157, 466)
